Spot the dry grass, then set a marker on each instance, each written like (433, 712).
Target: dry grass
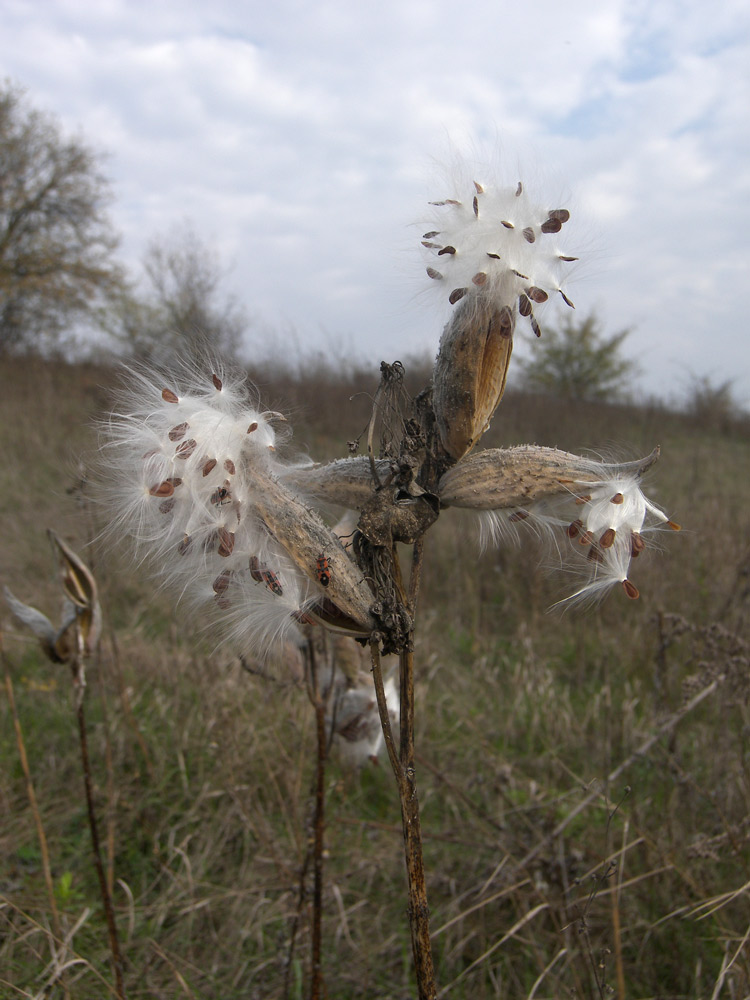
(546, 879)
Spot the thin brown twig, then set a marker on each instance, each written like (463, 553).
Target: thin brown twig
(419, 912)
(114, 944)
(403, 769)
(316, 975)
(385, 719)
(31, 795)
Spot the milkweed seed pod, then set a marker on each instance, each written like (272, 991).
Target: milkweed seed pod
(594, 510)
(347, 482)
(495, 254)
(194, 481)
(80, 627)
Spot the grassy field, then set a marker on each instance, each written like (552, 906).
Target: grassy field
(584, 778)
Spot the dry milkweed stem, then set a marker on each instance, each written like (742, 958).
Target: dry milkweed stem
(114, 945)
(402, 763)
(419, 913)
(316, 977)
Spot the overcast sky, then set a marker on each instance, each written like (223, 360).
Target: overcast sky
(301, 140)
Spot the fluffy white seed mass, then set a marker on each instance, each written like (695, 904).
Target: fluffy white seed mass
(497, 243)
(180, 454)
(599, 524)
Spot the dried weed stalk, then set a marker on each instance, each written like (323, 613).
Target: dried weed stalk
(200, 481)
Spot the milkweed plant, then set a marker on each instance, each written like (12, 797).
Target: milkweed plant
(203, 482)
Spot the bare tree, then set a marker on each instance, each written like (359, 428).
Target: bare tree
(184, 309)
(56, 240)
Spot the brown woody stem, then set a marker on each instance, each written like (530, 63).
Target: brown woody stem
(404, 770)
(114, 944)
(316, 974)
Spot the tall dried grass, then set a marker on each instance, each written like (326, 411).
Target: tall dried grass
(584, 779)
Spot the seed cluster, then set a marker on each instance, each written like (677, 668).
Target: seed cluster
(498, 245)
(186, 465)
(605, 521)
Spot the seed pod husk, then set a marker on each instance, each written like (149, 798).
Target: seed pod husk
(347, 482)
(305, 538)
(514, 477)
(470, 372)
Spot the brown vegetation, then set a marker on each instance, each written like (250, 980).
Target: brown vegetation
(583, 778)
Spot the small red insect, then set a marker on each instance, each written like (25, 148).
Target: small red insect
(262, 574)
(324, 570)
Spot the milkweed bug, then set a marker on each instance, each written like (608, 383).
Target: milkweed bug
(323, 570)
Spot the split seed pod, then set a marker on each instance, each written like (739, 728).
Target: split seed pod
(307, 541)
(470, 372)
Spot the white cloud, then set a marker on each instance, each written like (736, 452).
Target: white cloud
(297, 136)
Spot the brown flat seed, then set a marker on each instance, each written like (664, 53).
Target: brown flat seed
(519, 190)
(208, 466)
(165, 489)
(519, 515)
(569, 259)
(551, 226)
(185, 544)
(475, 206)
(519, 275)
(524, 306)
(674, 526)
(574, 528)
(186, 448)
(566, 300)
(428, 236)
(255, 571)
(617, 498)
(559, 213)
(508, 225)
(595, 554)
(178, 431)
(537, 294)
(637, 544)
(479, 278)
(174, 480)
(169, 397)
(506, 322)
(535, 326)
(528, 235)
(226, 542)
(586, 538)
(166, 505)
(217, 382)
(631, 590)
(221, 582)
(495, 256)
(430, 245)
(432, 273)
(229, 466)
(456, 294)
(253, 427)
(608, 538)
(478, 187)
(450, 250)
(583, 498)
